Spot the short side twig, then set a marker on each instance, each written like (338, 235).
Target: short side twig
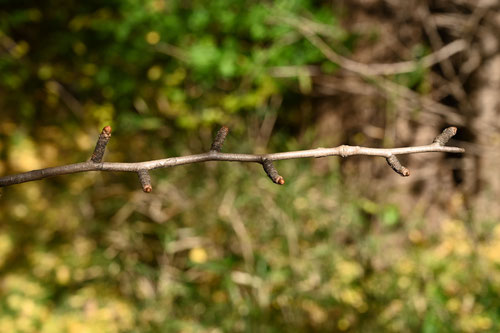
(396, 166)
(219, 139)
(215, 154)
(145, 180)
(444, 137)
(272, 172)
(100, 147)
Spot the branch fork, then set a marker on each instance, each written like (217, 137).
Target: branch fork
(215, 154)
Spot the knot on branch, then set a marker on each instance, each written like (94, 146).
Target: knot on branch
(219, 139)
(272, 172)
(145, 180)
(445, 136)
(100, 146)
(343, 150)
(397, 166)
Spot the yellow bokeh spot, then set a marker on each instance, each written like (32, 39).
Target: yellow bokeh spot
(463, 249)
(24, 324)
(352, 297)
(343, 324)
(176, 77)
(28, 308)
(45, 72)
(158, 5)
(20, 211)
(484, 323)
(198, 255)
(219, 296)
(83, 140)
(453, 305)
(15, 302)
(103, 113)
(79, 48)
(317, 314)
(154, 73)
(7, 324)
(152, 37)
(404, 282)
(415, 236)
(89, 69)
(15, 282)
(405, 266)
(23, 156)
(21, 49)
(349, 270)
(63, 274)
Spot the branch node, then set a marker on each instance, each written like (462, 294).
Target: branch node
(272, 172)
(344, 151)
(145, 180)
(100, 147)
(219, 139)
(445, 136)
(396, 166)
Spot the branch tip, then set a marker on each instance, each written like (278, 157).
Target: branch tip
(107, 129)
(272, 172)
(145, 180)
(219, 139)
(445, 136)
(100, 146)
(397, 166)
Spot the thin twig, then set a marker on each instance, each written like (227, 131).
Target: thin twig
(100, 146)
(397, 166)
(376, 72)
(375, 69)
(444, 137)
(271, 171)
(141, 168)
(219, 139)
(145, 180)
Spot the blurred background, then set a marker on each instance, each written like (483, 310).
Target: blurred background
(344, 245)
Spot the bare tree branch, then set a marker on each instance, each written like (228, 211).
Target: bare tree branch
(142, 168)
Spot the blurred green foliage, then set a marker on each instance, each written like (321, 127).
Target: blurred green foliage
(190, 62)
(214, 248)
